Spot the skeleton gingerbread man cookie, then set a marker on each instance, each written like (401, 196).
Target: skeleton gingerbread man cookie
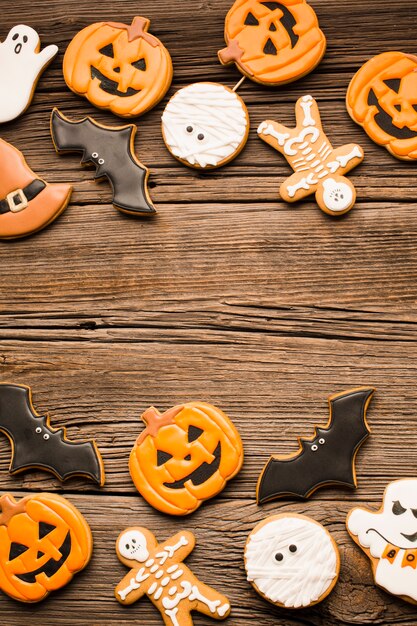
(157, 570)
(21, 65)
(318, 168)
(389, 538)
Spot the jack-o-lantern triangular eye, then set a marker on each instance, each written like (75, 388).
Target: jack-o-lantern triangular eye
(162, 457)
(140, 65)
(193, 433)
(251, 20)
(270, 48)
(394, 84)
(16, 549)
(107, 51)
(45, 529)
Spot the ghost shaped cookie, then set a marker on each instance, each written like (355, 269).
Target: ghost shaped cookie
(292, 561)
(21, 65)
(205, 125)
(389, 538)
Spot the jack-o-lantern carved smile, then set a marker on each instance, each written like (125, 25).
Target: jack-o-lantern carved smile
(44, 541)
(382, 98)
(185, 456)
(118, 67)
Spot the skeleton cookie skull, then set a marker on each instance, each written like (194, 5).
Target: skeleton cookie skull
(389, 538)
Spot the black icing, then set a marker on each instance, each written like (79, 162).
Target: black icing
(107, 51)
(194, 433)
(287, 19)
(51, 567)
(35, 444)
(201, 474)
(140, 64)
(16, 550)
(162, 457)
(114, 159)
(327, 459)
(110, 86)
(394, 84)
(251, 20)
(397, 509)
(45, 529)
(384, 120)
(269, 47)
(412, 538)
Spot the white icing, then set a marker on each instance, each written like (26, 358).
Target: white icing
(268, 129)
(342, 160)
(301, 577)
(132, 545)
(310, 131)
(337, 195)
(306, 104)
(20, 67)
(305, 183)
(376, 531)
(212, 111)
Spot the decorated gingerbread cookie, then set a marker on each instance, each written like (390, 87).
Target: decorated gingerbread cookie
(27, 203)
(36, 445)
(185, 456)
(292, 561)
(382, 99)
(273, 43)
(389, 538)
(318, 167)
(118, 67)
(326, 459)
(21, 65)
(44, 541)
(205, 125)
(112, 151)
(158, 571)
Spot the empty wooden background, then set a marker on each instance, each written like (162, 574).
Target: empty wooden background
(228, 296)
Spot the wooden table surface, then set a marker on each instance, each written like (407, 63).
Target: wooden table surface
(228, 296)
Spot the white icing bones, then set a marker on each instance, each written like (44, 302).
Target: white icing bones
(291, 560)
(21, 64)
(204, 124)
(391, 538)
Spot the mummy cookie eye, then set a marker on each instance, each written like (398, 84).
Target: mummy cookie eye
(293, 548)
(190, 129)
(397, 509)
(279, 556)
(200, 136)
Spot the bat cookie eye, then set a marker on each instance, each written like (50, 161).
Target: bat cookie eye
(38, 430)
(322, 441)
(397, 509)
(94, 155)
(315, 447)
(279, 556)
(101, 161)
(46, 436)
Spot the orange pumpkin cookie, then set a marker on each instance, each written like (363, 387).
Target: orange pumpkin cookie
(382, 98)
(44, 541)
(118, 67)
(318, 167)
(27, 203)
(185, 456)
(273, 43)
(158, 571)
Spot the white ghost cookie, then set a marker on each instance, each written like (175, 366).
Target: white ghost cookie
(292, 561)
(389, 538)
(205, 125)
(21, 65)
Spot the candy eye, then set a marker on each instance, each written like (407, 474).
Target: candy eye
(322, 441)
(101, 161)
(38, 430)
(190, 129)
(200, 136)
(293, 548)
(94, 155)
(397, 509)
(46, 436)
(279, 556)
(314, 448)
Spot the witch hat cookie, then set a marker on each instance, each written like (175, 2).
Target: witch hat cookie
(27, 203)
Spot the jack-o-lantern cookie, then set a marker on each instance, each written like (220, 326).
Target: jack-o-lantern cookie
(27, 203)
(44, 541)
(292, 561)
(273, 43)
(382, 98)
(118, 67)
(205, 125)
(318, 167)
(21, 65)
(185, 456)
(157, 571)
(389, 538)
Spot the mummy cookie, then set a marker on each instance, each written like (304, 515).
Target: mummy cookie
(158, 571)
(27, 203)
(44, 541)
(36, 445)
(118, 67)
(291, 561)
(273, 43)
(318, 168)
(205, 125)
(389, 538)
(185, 456)
(326, 459)
(111, 150)
(21, 66)
(382, 99)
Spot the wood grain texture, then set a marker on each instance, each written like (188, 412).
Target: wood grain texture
(228, 295)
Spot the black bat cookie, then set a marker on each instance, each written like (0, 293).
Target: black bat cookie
(111, 150)
(36, 445)
(326, 459)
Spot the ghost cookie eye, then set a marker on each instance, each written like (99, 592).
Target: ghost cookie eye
(397, 509)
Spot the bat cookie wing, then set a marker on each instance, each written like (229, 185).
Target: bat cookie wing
(326, 459)
(36, 445)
